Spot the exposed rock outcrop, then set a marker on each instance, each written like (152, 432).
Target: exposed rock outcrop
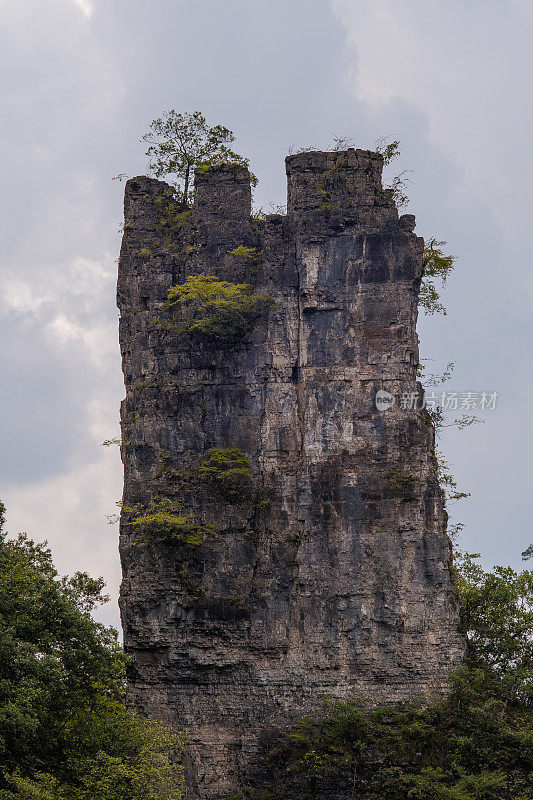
(327, 573)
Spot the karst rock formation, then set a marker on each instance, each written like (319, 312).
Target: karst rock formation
(327, 573)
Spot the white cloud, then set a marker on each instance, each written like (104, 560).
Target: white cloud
(69, 510)
(67, 314)
(70, 306)
(21, 297)
(82, 281)
(62, 384)
(85, 7)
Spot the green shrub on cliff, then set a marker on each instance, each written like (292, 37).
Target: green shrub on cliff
(249, 253)
(437, 266)
(253, 256)
(398, 480)
(229, 471)
(172, 217)
(65, 732)
(475, 745)
(213, 309)
(163, 519)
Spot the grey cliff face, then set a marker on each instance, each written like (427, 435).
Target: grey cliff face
(336, 582)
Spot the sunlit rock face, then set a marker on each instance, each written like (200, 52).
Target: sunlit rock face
(330, 574)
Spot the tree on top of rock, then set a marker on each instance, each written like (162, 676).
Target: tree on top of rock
(179, 143)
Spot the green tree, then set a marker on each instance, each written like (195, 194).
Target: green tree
(180, 142)
(65, 732)
(497, 619)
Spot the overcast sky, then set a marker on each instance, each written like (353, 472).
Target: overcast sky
(82, 81)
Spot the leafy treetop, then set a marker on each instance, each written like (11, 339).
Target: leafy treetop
(180, 142)
(497, 618)
(65, 731)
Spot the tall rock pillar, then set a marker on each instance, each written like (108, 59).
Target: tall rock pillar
(328, 574)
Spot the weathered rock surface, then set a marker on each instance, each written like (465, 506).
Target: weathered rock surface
(340, 586)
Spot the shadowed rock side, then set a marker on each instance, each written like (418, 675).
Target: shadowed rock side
(329, 575)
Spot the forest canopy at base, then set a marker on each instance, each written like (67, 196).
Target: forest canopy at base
(65, 731)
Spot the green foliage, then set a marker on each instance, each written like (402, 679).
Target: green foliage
(252, 255)
(145, 252)
(475, 745)
(398, 479)
(180, 142)
(441, 466)
(110, 442)
(436, 415)
(326, 186)
(468, 747)
(434, 378)
(397, 189)
(169, 472)
(225, 470)
(229, 471)
(173, 215)
(342, 142)
(259, 215)
(112, 754)
(163, 519)
(389, 150)
(298, 536)
(437, 266)
(215, 309)
(497, 618)
(65, 732)
(245, 252)
(447, 480)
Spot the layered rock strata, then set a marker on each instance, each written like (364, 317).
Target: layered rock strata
(330, 574)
